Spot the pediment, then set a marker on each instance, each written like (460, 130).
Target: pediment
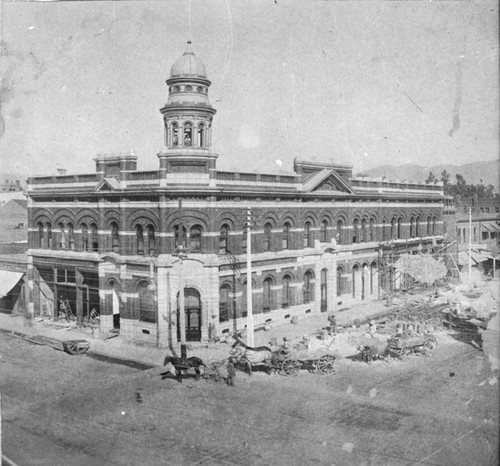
(327, 181)
(108, 184)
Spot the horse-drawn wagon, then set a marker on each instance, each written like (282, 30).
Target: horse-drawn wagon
(281, 360)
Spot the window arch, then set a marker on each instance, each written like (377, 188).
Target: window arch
(115, 237)
(364, 233)
(201, 135)
(147, 312)
(195, 233)
(340, 225)
(307, 235)
(188, 134)
(429, 231)
(324, 290)
(71, 236)
(94, 237)
(267, 294)
(223, 239)
(308, 290)
(400, 229)
(151, 239)
(175, 134)
(285, 239)
(340, 280)
(62, 236)
(40, 234)
(224, 303)
(286, 292)
(267, 237)
(85, 237)
(412, 227)
(355, 232)
(139, 239)
(434, 225)
(180, 236)
(371, 230)
(49, 236)
(393, 229)
(324, 231)
(417, 226)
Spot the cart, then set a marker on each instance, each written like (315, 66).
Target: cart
(400, 347)
(320, 363)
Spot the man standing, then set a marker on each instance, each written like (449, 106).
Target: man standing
(231, 373)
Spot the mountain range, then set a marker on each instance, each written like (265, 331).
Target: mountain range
(487, 172)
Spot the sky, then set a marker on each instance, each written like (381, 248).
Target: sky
(352, 82)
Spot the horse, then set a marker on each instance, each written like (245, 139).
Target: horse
(176, 366)
(249, 356)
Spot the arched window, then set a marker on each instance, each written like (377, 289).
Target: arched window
(71, 236)
(94, 237)
(286, 292)
(384, 230)
(201, 135)
(147, 312)
(340, 281)
(355, 232)
(355, 276)
(223, 239)
(62, 236)
(40, 235)
(115, 237)
(49, 236)
(400, 229)
(151, 240)
(324, 231)
(364, 233)
(393, 228)
(267, 237)
(340, 225)
(175, 134)
(285, 239)
(195, 238)
(371, 230)
(266, 295)
(434, 225)
(429, 231)
(188, 134)
(85, 237)
(308, 290)
(243, 243)
(324, 290)
(180, 236)
(139, 239)
(307, 235)
(224, 303)
(417, 226)
(412, 227)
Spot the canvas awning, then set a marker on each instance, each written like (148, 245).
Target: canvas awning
(477, 257)
(8, 280)
(490, 226)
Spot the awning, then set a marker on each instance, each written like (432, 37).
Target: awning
(8, 280)
(477, 257)
(490, 226)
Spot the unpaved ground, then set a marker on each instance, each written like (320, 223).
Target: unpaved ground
(74, 410)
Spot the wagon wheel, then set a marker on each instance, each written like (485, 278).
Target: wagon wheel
(407, 351)
(76, 347)
(290, 367)
(325, 364)
(431, 343)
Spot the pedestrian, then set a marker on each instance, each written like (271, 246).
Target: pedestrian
(333, 324)
(231, 373)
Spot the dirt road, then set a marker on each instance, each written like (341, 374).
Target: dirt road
(75, 410)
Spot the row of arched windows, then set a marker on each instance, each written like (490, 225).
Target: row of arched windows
(185, 135)
(228, 304)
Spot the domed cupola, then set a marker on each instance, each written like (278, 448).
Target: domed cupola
(188, 113)
(187, 117)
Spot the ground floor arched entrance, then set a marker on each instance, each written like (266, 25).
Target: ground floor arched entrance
(192, 309)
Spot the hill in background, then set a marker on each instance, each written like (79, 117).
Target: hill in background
(474, 173)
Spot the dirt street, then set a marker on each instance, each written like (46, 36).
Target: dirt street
(74, 410)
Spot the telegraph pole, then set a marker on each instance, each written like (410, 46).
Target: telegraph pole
(182, 312)
(470, 244)
(250, 329)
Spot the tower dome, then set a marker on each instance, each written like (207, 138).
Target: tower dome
(188, 65)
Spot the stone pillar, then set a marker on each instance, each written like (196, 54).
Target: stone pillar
(163, 316)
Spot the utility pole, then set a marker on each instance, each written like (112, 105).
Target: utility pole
(250, 329)
(470, 244)
(182, 313)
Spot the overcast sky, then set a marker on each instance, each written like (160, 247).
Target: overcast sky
(363, 83)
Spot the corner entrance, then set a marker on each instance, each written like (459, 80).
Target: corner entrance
(192, 308)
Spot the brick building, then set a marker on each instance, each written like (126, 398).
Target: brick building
(321, 238)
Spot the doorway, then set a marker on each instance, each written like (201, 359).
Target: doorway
(192, 309)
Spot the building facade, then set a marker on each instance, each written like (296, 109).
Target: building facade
(321, 239)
